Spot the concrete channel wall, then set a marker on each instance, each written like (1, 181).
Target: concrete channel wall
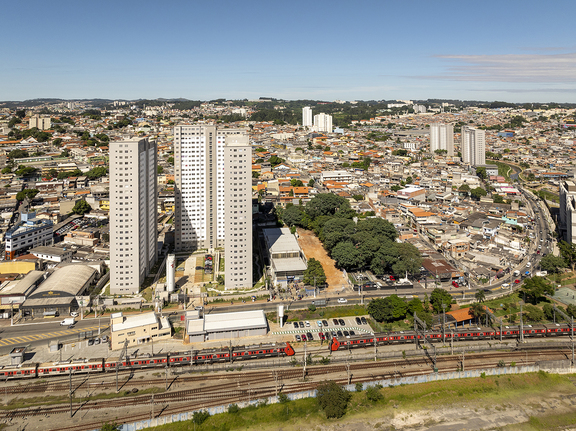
(559, 367)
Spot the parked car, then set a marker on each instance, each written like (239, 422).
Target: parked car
(309, 336)
(295, 325)
(364, 321)
(304, 337)
(341, 321)
(358, 321)
(339, 333)
(335, 322)
(352, 333)
(325, 322)
(301, 324)
(342, 300)
(346, 334)
(297, 337)
(392, 278)
(307, 324)
(319, 323)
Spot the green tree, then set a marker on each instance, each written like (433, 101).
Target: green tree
(477, 310)
(497, 199)
(314, 274)
(346, 256)
(27, 193)
(536, 288)
(439, 297)
(57, 142)
(571, 310)
(408, 260)
(160, 169)
(552, 263)
(568, 252)
(296, 183)
(200, 417)
(358, 198)
(464, 188)
(534, 314)
(255, 174)
(374, 394)
(326, 204)
(478, 192)
(293, 215)
(275, 161)
(170, 160)
(17, 154)
(311, 182)
(7, 170)
(333, 399)
(480, 295)
(81, 207)
(481, 172)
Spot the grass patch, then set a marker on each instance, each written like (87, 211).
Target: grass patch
(148, 293)
(475, 394)
(325, 313)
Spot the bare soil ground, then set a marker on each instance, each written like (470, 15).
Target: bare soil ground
(312, 247)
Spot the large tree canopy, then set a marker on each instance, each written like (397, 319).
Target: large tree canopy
(326, 204)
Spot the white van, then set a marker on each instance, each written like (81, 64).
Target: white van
(68, 321)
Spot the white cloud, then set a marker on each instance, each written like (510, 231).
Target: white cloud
(537, 68)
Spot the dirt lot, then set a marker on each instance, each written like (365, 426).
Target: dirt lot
(312, 247)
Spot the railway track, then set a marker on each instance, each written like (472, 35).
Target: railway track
(236, 389)
(283, 373)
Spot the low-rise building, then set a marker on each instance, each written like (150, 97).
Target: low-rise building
(28, 233)
(287, 260)
(223, 326)
(138, 329)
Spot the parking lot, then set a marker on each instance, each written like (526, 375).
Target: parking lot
(325, 329)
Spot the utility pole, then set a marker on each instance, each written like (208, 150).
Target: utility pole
(521, 323)
(571, 323)
(70, 389)
(443, 324)
(375, 347)
(166, 374)
(304, 372)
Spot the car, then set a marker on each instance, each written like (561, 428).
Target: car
(322, 337)
(537, 251)
(74, 314)
(339, 333)
(307, 324)
(104, 338)
(505, 285)
(309, 336)
(295, 325)
(319, 323)
(90, 342)
(96, 341)
(516, 281)
(358, 321)
(301, 324)
(335, 322)
(297, 337)
(364, 321)
(346, 334)
(455, 284)
(325, 322)
(341, 322)
(304, 337)
(333, 333)
(392, 278)
(352, 333)
(199, 268)
(342, 300)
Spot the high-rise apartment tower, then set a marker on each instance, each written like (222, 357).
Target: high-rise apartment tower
(306, 116)
(323, 123)
(442, 138)
(133, 213)
(473, 146)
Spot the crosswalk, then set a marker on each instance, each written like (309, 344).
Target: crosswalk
(24, 339)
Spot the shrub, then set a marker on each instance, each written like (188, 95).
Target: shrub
(200, 417)
(373, 393)
(359, 387)
(233, 408)
(283, 398)
(333, 399)
(501, 363)
(312, 307)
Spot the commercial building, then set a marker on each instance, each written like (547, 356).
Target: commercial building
(307, 117)
(442, 138)
(412, 193)
(133, 213)
(568, 211)
(224, 326)
(238, 211)
(287, 260)
(473, 146)
(14, 293)
(138, 329)
(53, 254)
(29, 232)
(60, 292)
(336, 176)
(199, 165)
(323, 123)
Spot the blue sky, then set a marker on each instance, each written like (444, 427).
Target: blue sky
(518, 51)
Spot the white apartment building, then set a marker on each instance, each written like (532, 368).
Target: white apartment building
(133, 213)
(323, 123)
(42, 123)
(442, 138)
(199, 186)
(307, 117)
(473, 146)
(567, 225)
(238, 211)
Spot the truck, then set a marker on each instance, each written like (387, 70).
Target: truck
(68, 321)
(516, 273)
(542, 273)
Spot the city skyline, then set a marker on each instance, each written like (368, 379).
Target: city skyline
(374, 51)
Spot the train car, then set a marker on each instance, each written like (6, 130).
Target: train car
(9, 372)
(147, 361)
(557, 329)
(258, 351)
(77, 367)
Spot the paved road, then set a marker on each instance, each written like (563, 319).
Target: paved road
(40, 333)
